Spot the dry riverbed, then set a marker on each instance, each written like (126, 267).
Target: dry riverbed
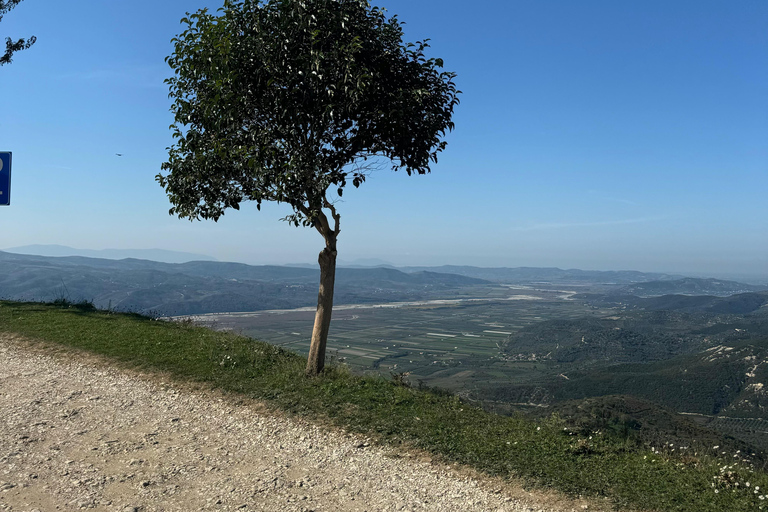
(76, 433)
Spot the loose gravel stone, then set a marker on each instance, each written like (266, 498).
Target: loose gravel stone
(80, 435)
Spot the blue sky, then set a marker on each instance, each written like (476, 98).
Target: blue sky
(590, 134)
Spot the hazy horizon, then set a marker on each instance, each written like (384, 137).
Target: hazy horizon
(56, 250)
(591, 135)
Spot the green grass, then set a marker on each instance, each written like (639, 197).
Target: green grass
(544, 454)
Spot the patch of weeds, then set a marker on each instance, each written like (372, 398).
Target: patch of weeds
(401, 379)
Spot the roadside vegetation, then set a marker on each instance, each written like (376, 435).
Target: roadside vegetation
(546, 453)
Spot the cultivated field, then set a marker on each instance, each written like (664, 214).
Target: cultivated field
(453, 344)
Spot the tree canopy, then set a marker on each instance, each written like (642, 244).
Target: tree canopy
(12, 46)
(275, 101)
(287, 100)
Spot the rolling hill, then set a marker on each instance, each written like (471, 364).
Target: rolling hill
(168, 289)
(689, 286)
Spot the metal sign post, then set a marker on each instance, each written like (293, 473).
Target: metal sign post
(5, 178)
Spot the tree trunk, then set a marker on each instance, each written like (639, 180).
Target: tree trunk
(327, 260)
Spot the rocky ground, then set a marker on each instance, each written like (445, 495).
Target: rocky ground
(76, 433)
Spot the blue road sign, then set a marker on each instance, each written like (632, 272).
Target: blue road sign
(5, 178)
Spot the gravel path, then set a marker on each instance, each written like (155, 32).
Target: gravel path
(83, 435)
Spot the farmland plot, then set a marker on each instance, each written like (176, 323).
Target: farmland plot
(449, 344)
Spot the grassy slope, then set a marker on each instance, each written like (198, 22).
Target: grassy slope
(543, 453)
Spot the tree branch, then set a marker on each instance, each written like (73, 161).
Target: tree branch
(334, 214)
(319, 221)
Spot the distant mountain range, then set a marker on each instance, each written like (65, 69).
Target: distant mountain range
(160, 255)
(548, 275)
(195, 287)
(208, 287)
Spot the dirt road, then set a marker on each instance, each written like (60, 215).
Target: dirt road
(78, 434)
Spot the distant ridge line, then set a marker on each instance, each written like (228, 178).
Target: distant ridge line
(158, 255)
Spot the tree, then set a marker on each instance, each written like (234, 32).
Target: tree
(12, 46)
(290, 101)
